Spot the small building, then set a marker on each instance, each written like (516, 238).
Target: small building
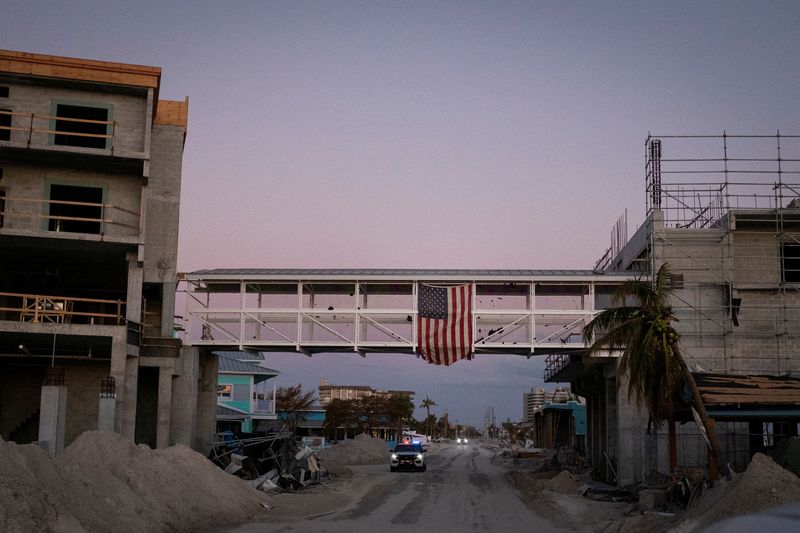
(245, 393)
(560, 424)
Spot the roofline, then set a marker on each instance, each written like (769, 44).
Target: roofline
(402, 275)
(72, 68)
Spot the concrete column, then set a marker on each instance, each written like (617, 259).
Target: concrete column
(133, 308)
(184, 413)
(167, 307)
(206, 399)
(53, 415)
(108, 405)
(164, 407)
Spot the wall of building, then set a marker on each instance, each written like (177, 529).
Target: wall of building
(33, 182)
(128, 112)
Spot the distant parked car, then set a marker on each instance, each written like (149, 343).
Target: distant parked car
(408, 456)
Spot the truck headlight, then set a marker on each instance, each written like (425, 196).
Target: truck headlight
(419, 456)
(394, 456)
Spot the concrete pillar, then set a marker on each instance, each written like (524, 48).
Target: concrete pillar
(184, 385)
(164, 407)
(206, 399)
(53, 411)
(108, 405)
(133, 308)
(167, 308)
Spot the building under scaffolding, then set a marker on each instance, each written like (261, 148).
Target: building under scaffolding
(723, 211)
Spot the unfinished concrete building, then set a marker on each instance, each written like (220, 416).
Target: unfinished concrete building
(724, 212)
(90, 177)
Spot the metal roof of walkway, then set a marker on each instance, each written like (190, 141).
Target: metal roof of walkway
(375, 310)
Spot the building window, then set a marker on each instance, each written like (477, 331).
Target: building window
(78, 125)
(75, 209)
(5, 124)
(2, 203)
(791, 262)
(224, 391)
(3, 92)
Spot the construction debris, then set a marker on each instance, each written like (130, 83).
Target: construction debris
(269, 462)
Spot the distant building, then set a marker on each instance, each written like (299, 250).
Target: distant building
(531, 401)
(328, 392)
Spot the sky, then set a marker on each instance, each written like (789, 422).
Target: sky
(429, 134)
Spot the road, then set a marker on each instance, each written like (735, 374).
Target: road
(461, 491)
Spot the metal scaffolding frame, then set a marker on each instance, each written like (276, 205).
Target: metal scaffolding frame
(727, 209)
(312, 311)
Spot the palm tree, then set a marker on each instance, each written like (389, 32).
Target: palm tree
(651, 356)
(427, 403)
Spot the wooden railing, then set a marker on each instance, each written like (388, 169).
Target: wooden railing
(39, 308)
(28, 213)
(33, 125)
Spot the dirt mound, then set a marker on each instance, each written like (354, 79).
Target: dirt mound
(103, 482)
(563, 483)
(362, 450)
(762, 486)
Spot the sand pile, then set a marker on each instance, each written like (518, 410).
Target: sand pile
(563, 483)
(762, 486)
(362, 450)
(103, 482)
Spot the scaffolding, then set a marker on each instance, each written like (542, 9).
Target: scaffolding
(724, 212)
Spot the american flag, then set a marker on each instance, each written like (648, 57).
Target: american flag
(444, 325)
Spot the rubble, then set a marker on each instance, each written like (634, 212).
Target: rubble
(269, 462)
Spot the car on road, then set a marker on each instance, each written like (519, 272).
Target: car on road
(461, 440)
(408, 456)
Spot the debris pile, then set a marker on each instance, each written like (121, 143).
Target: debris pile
(362, 450)
(103, 482)
(270, 462)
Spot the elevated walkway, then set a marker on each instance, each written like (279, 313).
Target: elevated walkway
(375, 310)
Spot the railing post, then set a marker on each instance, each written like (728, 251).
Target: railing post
(30, 131)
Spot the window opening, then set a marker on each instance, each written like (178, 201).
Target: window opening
(224, 391)
(89, 126)
(791, 262)
(5, 124)
(75, 209)
(2, 204)
(3, 92)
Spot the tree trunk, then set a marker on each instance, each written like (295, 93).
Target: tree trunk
(673, 447)
(699, 406)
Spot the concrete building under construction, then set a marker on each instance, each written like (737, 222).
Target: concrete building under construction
(90, 177)
(723, 211)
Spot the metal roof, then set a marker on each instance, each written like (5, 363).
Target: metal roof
(246, 356)
(227, 412)
(230, 365)
(380, 273)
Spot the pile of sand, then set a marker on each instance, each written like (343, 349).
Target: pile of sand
(563, 483)
(762, 486)
(103, 482)
(362, 450)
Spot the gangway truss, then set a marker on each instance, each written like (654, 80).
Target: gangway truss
(375, 310)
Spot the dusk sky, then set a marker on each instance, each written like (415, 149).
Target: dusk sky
(429, 134)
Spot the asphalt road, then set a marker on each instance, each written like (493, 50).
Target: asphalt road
(461, 491)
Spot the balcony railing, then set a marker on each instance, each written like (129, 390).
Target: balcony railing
(39, 308)
(34, 130)
(78, 217)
